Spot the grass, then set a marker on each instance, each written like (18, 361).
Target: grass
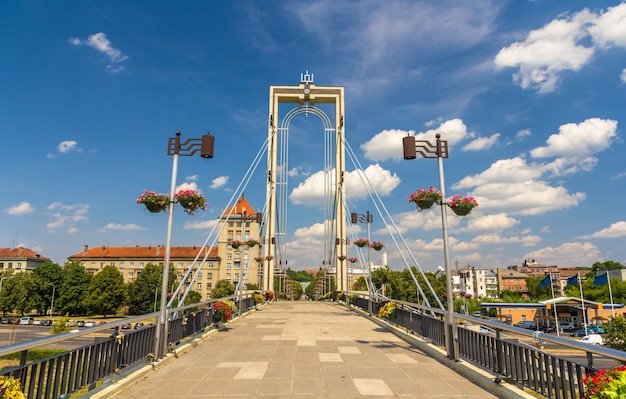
(33, 355)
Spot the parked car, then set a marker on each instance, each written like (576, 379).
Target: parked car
(548, 329)
(89, 324)
(37, 322)
(582, 333)
(568, 327)
(46, 323)
(528, 324)
(80, 323)
(25, 321)
(139, 325)
(125, 326)
(597, 329)
(477, 313)
(593, 339)
(5, 320)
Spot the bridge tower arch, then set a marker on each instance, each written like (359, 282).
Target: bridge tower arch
(306, 96)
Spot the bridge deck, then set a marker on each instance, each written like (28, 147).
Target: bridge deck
(302, 350)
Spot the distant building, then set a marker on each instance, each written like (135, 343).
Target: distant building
(533, 268)
(20, 259)
(223, 262)
(512, 280)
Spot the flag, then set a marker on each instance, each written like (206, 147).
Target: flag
(572, 280)
(601, 280)
(546, 281)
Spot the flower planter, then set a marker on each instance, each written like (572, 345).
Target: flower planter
(235, 245)
(461, 210)
(377, 247)
(252, 244)
(155, 207)
(186, 202)
(425, 204)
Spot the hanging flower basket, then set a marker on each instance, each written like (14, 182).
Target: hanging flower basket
(154, 202)
(462, 206)
(342, 258)
(352, 260)
(377, 245)
(191, 200)
(361, 242)
(235, 243)
(252, 243)
(269, 257)
(425, 198)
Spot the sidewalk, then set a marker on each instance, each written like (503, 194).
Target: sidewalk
(302, 350)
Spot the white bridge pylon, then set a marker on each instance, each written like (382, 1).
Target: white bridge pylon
(306, 95)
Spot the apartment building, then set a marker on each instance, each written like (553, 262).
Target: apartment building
(222, 262)
(20, 259)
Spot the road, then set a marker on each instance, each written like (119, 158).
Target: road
(13, 334)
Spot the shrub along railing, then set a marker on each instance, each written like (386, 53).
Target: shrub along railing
(549, 375)
(59, 375)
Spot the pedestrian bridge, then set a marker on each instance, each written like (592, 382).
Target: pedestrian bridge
(303, 349)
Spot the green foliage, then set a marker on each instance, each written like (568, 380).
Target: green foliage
(34, 354)
(536, 291)
(616, 333)
(60, 326)
(222, 289)
(300, 275)
(74, 289)
(608, 265)
(47, 276)
(145, 291)
(508, 296)
(107, 292)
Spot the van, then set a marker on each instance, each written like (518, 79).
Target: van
(24, 321)
(593, 339)
(477, 313)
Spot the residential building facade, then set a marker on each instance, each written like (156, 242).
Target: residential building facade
(20, 260)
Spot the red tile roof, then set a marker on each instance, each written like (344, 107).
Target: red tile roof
(20, 253)
(157, 251)
(241, 205)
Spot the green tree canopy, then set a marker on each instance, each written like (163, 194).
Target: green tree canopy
(144, 294)
(222, 289)
(73, 290)
(107, 292)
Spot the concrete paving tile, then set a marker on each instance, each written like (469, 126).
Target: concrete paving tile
(372, 387)
(308, 385)
(330, 357)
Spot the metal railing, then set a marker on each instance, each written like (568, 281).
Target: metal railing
(58, 376)
(520, 363)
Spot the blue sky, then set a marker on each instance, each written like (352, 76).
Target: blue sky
(530, 96)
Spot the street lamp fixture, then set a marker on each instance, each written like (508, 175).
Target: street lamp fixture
(366, 218)
(439, 150)
(189, 147)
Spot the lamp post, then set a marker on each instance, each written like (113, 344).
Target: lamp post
(156, 287)
(187, 148)
(367, 218)
(54, 288)
(424, 148)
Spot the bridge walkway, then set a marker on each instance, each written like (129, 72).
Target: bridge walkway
(300, 349)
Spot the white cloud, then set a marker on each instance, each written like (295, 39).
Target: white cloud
(192, 178)
(617, 229)
(299, 171)
(100, 43)
(586, 138)
(67, 146)
(219, 182)
(496, 239)
(557, 47)
(547, 52)
(187, 186)
(388, 143)
(523, 133)
(311, 191)
(66, 216)
(121, 227)
(493, 222)
(623, 75)
(23, 208)
(567, 254)
(513, 170)
(482, 143)
(200, 225)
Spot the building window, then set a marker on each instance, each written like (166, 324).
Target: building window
(141, 265)
(121, 265)
(237, 256)
(209, 266)
(236, 276)
(10, 265)
(237, 265)
(101, 265)
(229, 266)
(231, 223)
(245, 266)
(132, 265)
(209, 285)
(19, 265)
(230, 235)
(227, 276)
(130, 275)
(229, 256)
(199, 286)
(208, 296)
(1, 265)
(209, 275)
(199, 275)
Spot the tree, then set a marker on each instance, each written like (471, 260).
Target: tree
(535, 291)
(222, 289)
(107, 292)
(6, 300)
(608, 265)
(144, 294)
(19, 290)
(616, 333)
(73, 288)
(48, 278)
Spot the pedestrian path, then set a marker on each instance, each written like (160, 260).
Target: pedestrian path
(301, 349)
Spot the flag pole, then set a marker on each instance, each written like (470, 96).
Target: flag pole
(608, 278)
(580, 285)
(556, 314)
